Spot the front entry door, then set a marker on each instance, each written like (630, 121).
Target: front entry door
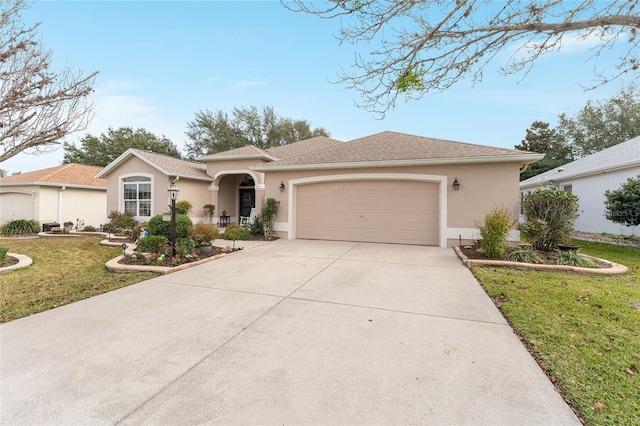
(247, 201)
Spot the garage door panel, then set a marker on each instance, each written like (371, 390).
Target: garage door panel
(377, 211)
(15, 206)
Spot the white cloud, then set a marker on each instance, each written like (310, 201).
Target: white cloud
(109, 87)
(248, 82)
(211, 79)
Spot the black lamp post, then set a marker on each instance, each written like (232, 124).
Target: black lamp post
(173, 195)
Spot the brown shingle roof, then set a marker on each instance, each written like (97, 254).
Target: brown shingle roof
(67, 174)
(175, 166)
(302, 147)
(247, 151)
(395, 147)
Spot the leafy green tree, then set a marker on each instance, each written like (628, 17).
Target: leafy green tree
(38, 106)
(543, 139)
(210, 132)
(623, 205)
(3, 173)
(100, 151)
(599, 125)
(429, 45)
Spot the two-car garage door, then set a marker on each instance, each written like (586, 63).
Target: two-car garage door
(388, 211)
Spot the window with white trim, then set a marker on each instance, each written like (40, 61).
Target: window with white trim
(137, 195)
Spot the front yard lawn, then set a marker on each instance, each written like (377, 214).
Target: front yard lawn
(64, 270)
(584, 331)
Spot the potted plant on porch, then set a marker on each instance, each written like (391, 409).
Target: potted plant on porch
(203, 234)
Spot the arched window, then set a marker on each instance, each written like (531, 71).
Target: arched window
(137, 195)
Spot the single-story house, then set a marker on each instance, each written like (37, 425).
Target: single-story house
(589, 178)
(388, 187)
(67, 193)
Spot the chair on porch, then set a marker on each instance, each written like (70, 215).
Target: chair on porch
(248, 220)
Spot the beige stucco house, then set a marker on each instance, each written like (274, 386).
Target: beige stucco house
(67, 193)
(388, 187)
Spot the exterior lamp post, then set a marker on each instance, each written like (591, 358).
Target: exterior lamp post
(173, 195)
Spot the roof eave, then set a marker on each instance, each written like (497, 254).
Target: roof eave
(55, 184)
(562, 177)
(520, 159)
(237, 157)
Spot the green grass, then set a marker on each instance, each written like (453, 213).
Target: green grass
(64, 270)
(584, 330)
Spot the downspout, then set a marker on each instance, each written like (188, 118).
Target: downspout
(60, 204)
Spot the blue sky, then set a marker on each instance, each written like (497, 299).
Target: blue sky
(162, 61)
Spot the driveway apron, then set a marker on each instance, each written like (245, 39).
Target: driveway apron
(288, 332)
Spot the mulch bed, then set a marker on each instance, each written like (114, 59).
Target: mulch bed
(472, 252)
(152, 259)
(11, 261)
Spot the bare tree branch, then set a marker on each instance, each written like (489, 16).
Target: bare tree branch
(37, 106)
(429, 45)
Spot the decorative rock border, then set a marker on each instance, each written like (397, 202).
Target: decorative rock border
(615, 269)
(23, 262)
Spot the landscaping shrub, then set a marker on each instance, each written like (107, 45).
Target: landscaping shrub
(204, 232)
(185, 246)
(4, 257)
(557, 209)
(152, 244)
(159, 227)
(623, 205)
(209, 210)
(184, 207)
(89, 228)
(20, 227)
(269, 214)
(256, 226)
(526, 254)
(532, 230)
(234, 232)
(121, 220)
(494, 232)
(573, 258)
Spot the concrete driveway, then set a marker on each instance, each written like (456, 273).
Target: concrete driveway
(288, 332)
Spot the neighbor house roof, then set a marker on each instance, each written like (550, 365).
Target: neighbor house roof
(392, 148)
(621, 156)
(70, 175)
(170, 166)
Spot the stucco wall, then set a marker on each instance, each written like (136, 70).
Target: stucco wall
(85, 204)
(215, 169)
(194, 191)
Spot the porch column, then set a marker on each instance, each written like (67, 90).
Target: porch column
(259, 187)
(213, 199)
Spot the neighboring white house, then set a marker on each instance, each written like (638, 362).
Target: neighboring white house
(67, 193)
(589, 178)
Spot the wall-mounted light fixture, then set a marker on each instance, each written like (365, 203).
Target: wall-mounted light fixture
(281, 186)
(456, 184)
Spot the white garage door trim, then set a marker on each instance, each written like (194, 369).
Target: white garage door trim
(441, 180)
